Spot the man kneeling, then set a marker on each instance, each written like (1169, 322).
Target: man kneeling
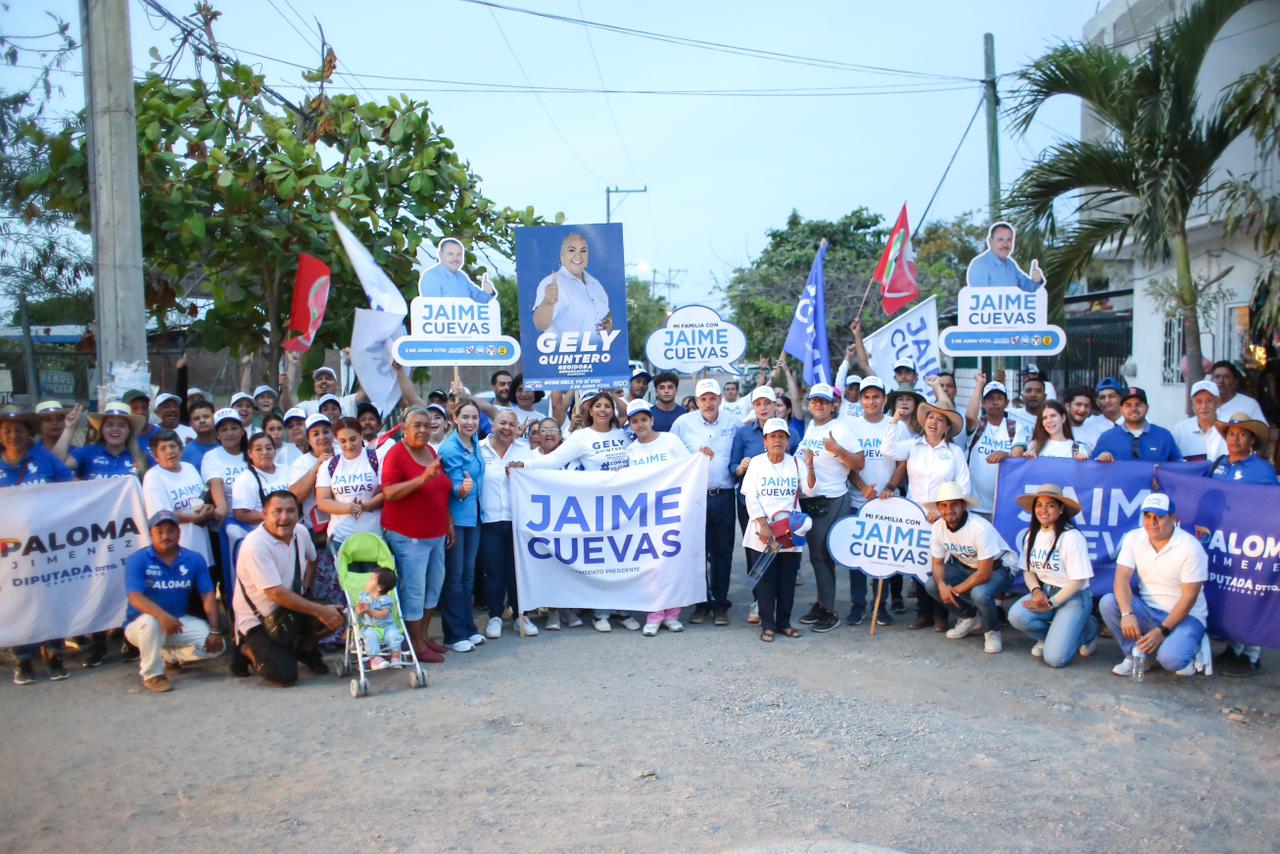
(159, 580)
(972, 566)
(276, 627)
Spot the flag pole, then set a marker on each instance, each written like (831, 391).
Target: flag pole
(865, 294)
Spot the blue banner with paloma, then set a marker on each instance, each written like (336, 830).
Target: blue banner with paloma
(1236, 524)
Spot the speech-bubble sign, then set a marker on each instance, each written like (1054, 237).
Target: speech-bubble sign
(696, 337)
(887, 537)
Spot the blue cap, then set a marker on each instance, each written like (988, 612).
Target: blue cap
(161, 516)
(1110, 383)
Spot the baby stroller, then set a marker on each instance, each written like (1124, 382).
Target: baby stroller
(360, 554)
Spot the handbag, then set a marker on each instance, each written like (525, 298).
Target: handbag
(281, 625)
(780, 524)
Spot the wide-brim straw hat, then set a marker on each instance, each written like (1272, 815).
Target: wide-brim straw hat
(1069, 506)
(906, 388)
(949, 491)
(956, 419)
(115, 407)
(13, 413)
(1254, 426)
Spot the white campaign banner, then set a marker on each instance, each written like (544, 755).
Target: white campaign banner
(62, 553)
(912, 334)
(626, 540)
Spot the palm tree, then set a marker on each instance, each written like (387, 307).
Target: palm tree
(1141, 181)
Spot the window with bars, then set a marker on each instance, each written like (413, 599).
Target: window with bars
(1174, 350)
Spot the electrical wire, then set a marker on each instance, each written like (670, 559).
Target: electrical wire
(947, 171)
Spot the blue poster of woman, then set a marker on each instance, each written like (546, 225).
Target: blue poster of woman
(573, 306)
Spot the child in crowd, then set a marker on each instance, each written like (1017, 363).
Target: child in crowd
(377, 620)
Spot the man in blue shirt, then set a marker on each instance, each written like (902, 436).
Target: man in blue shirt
(665, 410)
(200, 418)
(23, 463)
(995, 267)
(159, 580)
(446, 279)
(1134, 438)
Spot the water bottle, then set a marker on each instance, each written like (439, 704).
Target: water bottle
(1139, 664)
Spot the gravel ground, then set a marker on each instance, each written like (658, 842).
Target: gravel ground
(705, 740)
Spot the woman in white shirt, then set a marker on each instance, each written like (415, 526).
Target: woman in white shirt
(1052, 436)
(286, 451)
(1058, 612)
(497, 533)
(261, 478)
(772, 486)
(348, 487)
(223, 465)
(174, 485)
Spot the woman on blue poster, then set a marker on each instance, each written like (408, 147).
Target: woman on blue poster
(571, 299)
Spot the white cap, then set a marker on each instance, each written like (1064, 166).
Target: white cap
(165, 398)
(822, 391)
(871, 382)
(1158, 503)
(994, 385)
(318, 419)
(265, 389)
(634, 407)
(763, 392)
(194, 391)
(239, 396)
(295, 412)
(706, 387)
(325, 398)
(905, 362)
(1031, 368)
(776, 425)
(852, 379)
(225, 414)
(1206, 385)
(324, 369)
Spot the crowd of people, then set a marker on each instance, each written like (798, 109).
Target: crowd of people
(249, 505)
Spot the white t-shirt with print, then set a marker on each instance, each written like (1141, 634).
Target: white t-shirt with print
(978, 540)
(593, 450)
(1068, 562)
(1064, 449)
(664, 448)
(769, 488)
(244, 495)
(870, 439)
(982, 474)
(832, 474)
(183, 492)
(220, 464)
(352, 480)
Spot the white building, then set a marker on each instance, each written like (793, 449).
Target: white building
(1249, 39)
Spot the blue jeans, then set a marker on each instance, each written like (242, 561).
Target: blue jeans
(982, 598)
(498, 554)
(456, 609)
(1175, 652)
(420, 571)
(1062, 630)
(721, 509)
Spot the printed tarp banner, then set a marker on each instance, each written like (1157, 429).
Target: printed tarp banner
(913, 335)
(1110, 494)
(1236, 524)
(62, 553)
(626, 540)
(573, 307)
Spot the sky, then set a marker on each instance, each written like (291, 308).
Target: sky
(720, 170)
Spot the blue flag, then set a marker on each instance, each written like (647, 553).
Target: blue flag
(807, 338)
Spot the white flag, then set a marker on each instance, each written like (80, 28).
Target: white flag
(372, 335)
(382, 292)
(914, 335)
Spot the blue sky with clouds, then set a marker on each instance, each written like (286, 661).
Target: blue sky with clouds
(721, 170)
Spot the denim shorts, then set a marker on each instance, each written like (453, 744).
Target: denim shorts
(420, 566)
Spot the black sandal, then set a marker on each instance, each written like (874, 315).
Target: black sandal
(766, 635)
(790, 632)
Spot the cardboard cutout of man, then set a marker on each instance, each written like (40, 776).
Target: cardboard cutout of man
(446, 278)
(995, 268)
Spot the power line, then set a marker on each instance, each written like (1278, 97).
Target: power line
(317, 31)
(721, 47)
(947, 171)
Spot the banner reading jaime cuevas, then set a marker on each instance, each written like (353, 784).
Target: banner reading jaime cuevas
(626, 540)
(62, 553)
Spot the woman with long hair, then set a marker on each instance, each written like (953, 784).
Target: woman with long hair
(1058, 612)
(1052, 436)
(464, 465)
(348, 487)
(113, 449)
(261, 478)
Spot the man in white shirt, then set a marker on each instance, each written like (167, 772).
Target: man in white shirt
(1167, 617)
(733, 406)
(993, 440)
(1108, 394)
(324, 380)
(972, 566)
(1086, 427)
(1230, 401)
(1033, 398)
(1198, 437)
(706, 427)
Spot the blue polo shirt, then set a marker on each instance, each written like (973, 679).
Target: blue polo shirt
(193, 452)
(1155, 445)
(95, 462)
(1252, 469)
(38, 467)
(458, 462)
(166, 584)
(748, 442)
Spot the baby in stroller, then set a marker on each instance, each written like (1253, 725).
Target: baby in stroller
(376, 613)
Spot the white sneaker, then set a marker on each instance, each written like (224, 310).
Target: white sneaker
(530, 630)
(553, 620)
(650, 629)
(1038, 649)
(575, 621)
(1124, 668)
(1087, 649)
(673, 625)
(493, 631)
(992, 642)
(602, 624)
(631, 624)
(462, 646)
(476, 639)
(964, 627)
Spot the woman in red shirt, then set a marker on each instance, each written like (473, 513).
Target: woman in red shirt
(417, 527)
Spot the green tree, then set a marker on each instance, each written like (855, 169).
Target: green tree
(645, 313)
(235, 184)
(1141, 179)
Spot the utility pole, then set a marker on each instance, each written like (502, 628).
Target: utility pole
(669, 283)
(609, 192)
(28, 350)
(993, 126)
(119, 300)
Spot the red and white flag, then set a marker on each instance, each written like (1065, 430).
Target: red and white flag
(896, 272)
(310, 295)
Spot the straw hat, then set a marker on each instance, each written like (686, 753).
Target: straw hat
(115, 407)
(905, 388)
(956, 420)
(1242, 419)
(949, 491)
(1052, 490)
(13, 413)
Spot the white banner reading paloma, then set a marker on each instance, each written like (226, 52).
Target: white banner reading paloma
(627, 540)
(62, 553)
